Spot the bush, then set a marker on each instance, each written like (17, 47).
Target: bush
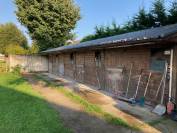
(3, 66)
(17, 69)
(15, 49)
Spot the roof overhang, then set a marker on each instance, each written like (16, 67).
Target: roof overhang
(111, 45)
(143, 37)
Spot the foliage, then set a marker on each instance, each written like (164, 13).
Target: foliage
(16, 70)
(49, 22)
(140, 21)
(105, 31)
(34, 48)
(11, 37)
(159, 12)
(23, 110)
(15, 49)
(172, 18)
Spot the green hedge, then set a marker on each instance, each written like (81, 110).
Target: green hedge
(3, 66)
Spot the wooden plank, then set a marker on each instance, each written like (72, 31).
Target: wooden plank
(174, 74)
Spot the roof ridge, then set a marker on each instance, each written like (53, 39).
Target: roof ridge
(146, 34)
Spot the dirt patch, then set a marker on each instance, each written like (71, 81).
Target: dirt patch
(133, 115)
(91, 96)
(72, 114)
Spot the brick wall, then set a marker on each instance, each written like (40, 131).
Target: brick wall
(113, 73)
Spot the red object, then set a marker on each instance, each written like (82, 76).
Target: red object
(170, 107)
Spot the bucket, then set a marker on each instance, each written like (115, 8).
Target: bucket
(142, 101)
(170, 107)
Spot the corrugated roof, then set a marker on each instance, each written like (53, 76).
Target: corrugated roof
(152, 33)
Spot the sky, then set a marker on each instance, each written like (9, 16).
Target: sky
(93, 13)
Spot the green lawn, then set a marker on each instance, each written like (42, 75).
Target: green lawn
(24, 111)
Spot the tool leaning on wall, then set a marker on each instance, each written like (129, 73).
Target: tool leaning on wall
(129, 78)
(160, 109)
(133, 99)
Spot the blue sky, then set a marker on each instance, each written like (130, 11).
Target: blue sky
(93, 12)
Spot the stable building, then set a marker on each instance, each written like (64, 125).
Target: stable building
(120, 64)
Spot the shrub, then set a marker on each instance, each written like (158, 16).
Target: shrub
(3, 67)
(17, 69)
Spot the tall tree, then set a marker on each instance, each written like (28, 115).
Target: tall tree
(11, 36)
(15, 49)
(159, 12)
(105, 31)
(143, 20)
(49, 22)
(34, 48)
(172, 18)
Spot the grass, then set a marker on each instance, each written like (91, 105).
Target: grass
(95, 109)
(88, 107)
(22, 110)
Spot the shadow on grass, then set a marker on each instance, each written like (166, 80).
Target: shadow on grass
(17, 81)
(21, 113)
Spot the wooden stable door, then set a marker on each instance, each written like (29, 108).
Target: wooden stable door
(79, 70)
(61, 68)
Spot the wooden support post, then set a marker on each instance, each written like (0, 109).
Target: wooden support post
(103, 75)
(174, 74)
(74, 73)
(171, 72)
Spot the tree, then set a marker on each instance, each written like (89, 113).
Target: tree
(88, 38)
(172, 18)
(34, 48)
(11, 36)
(104, 31)
(143, 20)
(151, 20)
(15, 49)
(49, 22)
(159, 12)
